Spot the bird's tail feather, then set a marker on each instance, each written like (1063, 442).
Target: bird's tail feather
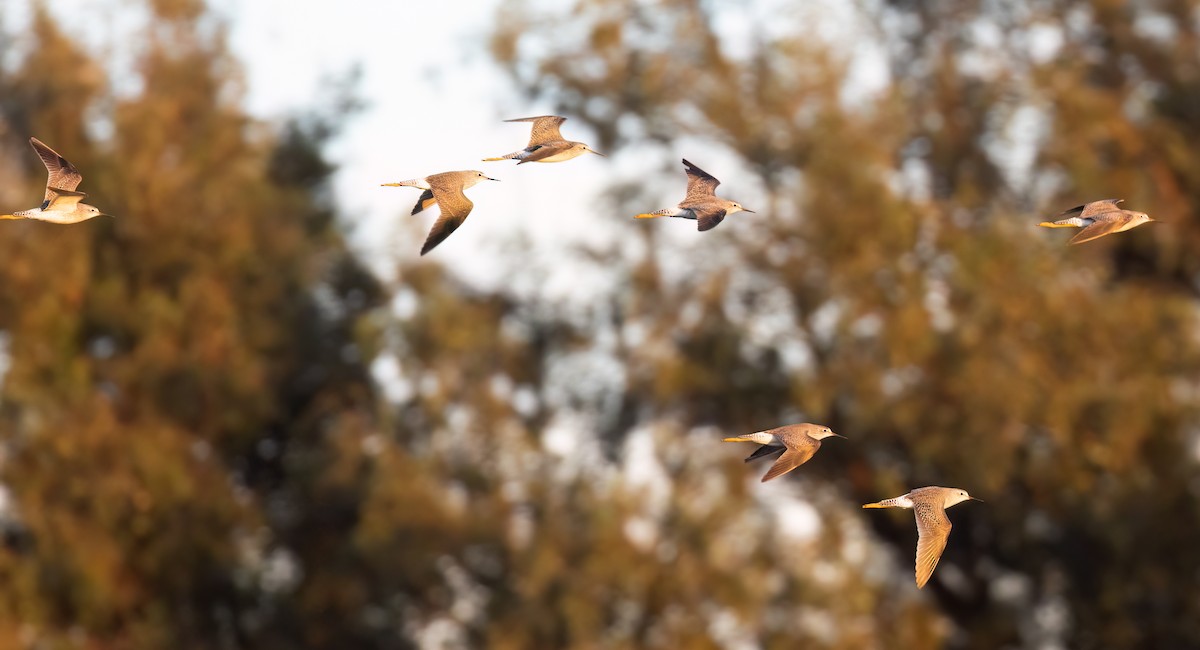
(10, 216)
(510, 156)
(651, 215)
(1073, 222)
(416, 182)
(886, 503)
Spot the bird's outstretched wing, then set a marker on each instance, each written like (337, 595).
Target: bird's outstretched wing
(542, 151)
(424, 202)
(707, 218)
(1092, 207)
(61, 173)
(1104, 224)
(455, 207)
(1100, 207)
(933, 529)
(790, 460)
(766, 450)
(701, 184)
(63, 198)
(545, 128)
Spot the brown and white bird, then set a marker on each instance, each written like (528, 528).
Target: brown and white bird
(701, 202)
(62, 204)
(796, 442)
(1098, 218)
(546, 144)
(933, 526)
(446, 191)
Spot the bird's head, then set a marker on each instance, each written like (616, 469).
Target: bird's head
(734, 206)
(83, 212)
(474, 177)
(956, 496)
(583, 148)
(819, 432)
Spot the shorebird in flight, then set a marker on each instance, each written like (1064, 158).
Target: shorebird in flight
(796, 442)
(546, 144)
(933, 526)
(62, 203)
(701, 202)
(446, 191)
(1098, 218)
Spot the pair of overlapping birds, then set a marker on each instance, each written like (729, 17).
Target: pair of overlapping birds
(792, 445)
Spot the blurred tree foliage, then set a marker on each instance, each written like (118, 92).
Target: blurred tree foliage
(181, 374)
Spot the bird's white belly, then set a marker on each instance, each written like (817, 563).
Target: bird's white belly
(563, 155)
(54, 216)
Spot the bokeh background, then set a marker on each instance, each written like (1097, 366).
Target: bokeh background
(245, 414)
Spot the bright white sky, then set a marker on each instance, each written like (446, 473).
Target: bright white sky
(434, 103)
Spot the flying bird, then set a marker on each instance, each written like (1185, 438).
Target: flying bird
(62, 203)
(701, 202)
(1098, 218)
(933, 526)
(446, 191)
(796, 443)
(546, 144)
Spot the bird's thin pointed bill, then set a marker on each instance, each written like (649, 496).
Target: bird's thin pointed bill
(838, 435)
(977, 499)
(598, 153)
(492, 179)
(750, 211)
